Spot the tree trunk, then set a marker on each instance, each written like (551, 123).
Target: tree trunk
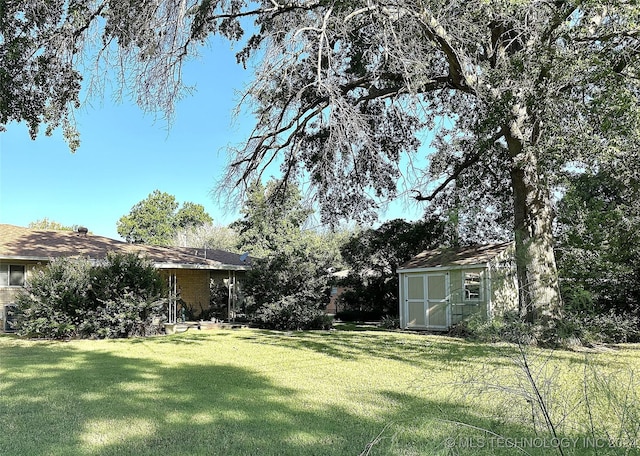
(539, 293)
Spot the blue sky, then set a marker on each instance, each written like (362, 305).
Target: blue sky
(126, 154)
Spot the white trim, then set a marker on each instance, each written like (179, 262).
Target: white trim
(401, 309)
(220, 267)
(446, 301)
(404, 301)
(481, 288)
(489, 299)
(444, 268)
(24, 258)
(217, 267)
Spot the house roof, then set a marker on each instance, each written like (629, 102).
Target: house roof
(462, 256)
(223, 256)
(18, 243)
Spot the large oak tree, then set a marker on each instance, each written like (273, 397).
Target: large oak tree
(514, 91)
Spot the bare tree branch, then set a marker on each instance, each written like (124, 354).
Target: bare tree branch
(458, 169)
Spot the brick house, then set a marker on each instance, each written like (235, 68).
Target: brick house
(189, 272)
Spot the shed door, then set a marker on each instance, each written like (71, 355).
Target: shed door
(415, 286)
(427, 301)
(437, 301)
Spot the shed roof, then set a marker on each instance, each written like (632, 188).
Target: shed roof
(20, 243)
(461, 256)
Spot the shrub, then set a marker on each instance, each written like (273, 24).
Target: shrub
(218, 302)
(127, 293)
(389, 322)
(54, 302)
(126, 274)
(289, 313)
(574, 328)
(603, 328)
(287, 290)
(125, 316)
(70, 298)
(367, 300)
(508, 327)
(577, 299)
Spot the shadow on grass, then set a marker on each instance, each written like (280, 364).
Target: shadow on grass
(425, 350)
(407, 348)
(58, 400)
(350, 326)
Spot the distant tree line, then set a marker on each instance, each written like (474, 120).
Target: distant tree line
(598, 248)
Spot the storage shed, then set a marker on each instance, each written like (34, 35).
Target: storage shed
(439, 288)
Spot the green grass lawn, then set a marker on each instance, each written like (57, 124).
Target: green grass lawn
(249, 392)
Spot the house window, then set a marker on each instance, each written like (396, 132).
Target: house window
(472, 286)
(16, 275)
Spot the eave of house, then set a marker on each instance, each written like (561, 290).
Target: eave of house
(220, 267)
(23, 258)
(157, 265)
(443, 268)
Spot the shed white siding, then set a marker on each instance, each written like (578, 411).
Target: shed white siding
(436, 297)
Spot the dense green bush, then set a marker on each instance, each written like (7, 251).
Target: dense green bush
(373, 257)
(54, 302)
(598, 241)
(602, 328)
(508, 327)
(124, 316)
(292, 313)
(72, 298)
(367, 299)
(122, 274)
(288, 284)
(218, 301)
(286, 291)
(573, 329)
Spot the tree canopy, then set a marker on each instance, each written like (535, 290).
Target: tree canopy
(384, 249)
(513, 92)
(208, 235)
(46, 224)
(290, 264)
(599, 242)
(156, 219)
(270, 220)
(373, 257)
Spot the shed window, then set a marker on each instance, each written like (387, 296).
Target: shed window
(472, 286)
